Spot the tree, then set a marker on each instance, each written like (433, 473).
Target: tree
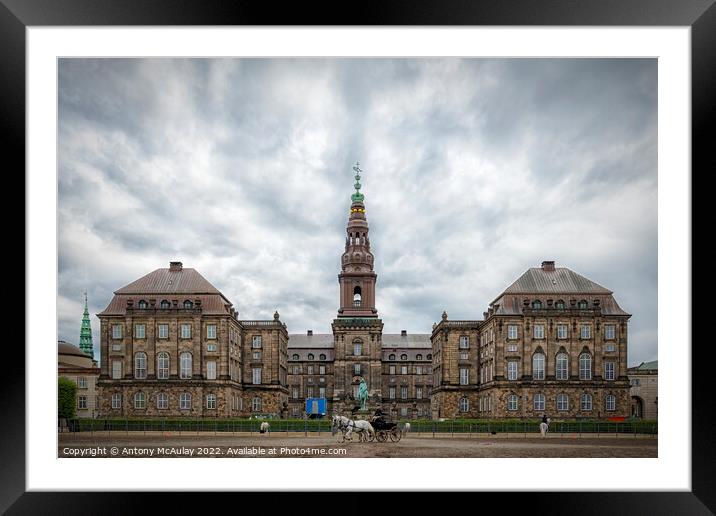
(66, 396)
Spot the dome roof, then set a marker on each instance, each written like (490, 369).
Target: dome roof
(65, 348)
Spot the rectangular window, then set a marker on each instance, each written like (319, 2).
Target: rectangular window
(391, 393)
(117, 347)
(211, 331)
(256, 355)
(586, 331)
(309, 369)
(512, 348)
(296, 369)
(609, 370)
(163, 332)
(211, 401)
(321, 392)
(116, 369)
(418, 370)
(539, 331)
(211, 370)
(464, 376)
(562, 402)
(539, 402)
(116, 401)
(609, 348)
(256, 375)
(609, 332)
(404, 392)
(116, 331)
(309, 392)
(611, 402)
(512, 402)
(256, 341)
(81, 402)
(82, 382)
(464, 342)
(512, 370)
(357, 349)
(562, 331)
(403, 411)
(464, 355)
(186, 331)
(356, 368)
(322, 369)
(391, 369)
(139, 331)
(419, 393)
(294, 392)
(404, 369)
(512, 331)
(586, 402)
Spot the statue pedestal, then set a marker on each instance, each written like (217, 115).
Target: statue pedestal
(365, 415)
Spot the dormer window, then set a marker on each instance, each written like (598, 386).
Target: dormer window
(391, 357)
(537, 305)
(559, 305)
(403, 357)
(188, 304)
(582, 305)
(164, 305)
(322, 356)
(418, 357)
(310, 356)
(142, 304)
(295, 356)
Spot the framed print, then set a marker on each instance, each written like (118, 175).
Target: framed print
(189, 171)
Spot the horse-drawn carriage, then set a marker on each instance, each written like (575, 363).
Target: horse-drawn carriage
(377, 429)
(385, 430)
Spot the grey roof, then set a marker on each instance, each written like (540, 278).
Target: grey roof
(414, 340)
(648, 366)
(166, 281)
(559, 281)
(304, 352)
(317, 340)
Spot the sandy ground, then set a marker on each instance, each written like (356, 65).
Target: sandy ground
(297, 445)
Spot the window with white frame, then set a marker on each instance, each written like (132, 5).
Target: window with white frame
(185, 401)
(418, 370)
(116, 346)
(322, 369)
(296, 369)
(294, 392)
(211, 370)
(609, 371)
(321, 392)
(403, 411)
(140, 365)
(81, 382)
(538, 402)
(419, 393)
(464, 342)
(464, 376)
(391, 369)
(562, 372)
(116, 331)
(538, 366)
(309, 392)
(211, 331)
(309, 369)
(391, 393)
(586, 402)
(82, 402)
(611, 402)
(539, 331)
(256, 341)
(464, 404)
(162, 401)
(561, 331)
(404, 369)
(464, 355)
(139, 332)
(404, 392)
(116, 401)
(585, 366)
(512, 402)
(256, 404)
(211, 401)
(162, 365)
(562, 402)
(140, 400)
(357, 348)
(185, 370)
(163, 331)
(586, 331)
(116, 369)
(256, 355)
(512, 331)
(256, 375)
(512, 348)
(512, 370)
(211, 346)
(609, 348)
(186, 331)
(609, 332)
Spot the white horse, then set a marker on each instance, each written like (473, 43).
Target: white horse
(543, 427)
(406, 428)
(347, 426)
(264, 429)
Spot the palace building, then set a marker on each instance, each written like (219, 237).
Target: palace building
(553, 342)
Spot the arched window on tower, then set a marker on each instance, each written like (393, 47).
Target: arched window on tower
(356, 296)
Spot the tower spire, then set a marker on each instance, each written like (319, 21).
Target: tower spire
(86, 332)
(357, 196)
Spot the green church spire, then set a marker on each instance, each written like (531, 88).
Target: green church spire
(86, 333)
(357, 197)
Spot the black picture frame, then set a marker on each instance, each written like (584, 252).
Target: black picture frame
(16, 15)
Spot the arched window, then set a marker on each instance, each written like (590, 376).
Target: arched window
(538, 366)
(185, 401)
(256, 404)
(512, 402)
(538, 402)
(418, 357)
(164, 305)
(188, 304)
(610, 402)
(403, 357)
(140, 400)
(464, 404)
(585, 366)
(162, 365)
(185, 365)
(357, 348)
(582, 305)
(391, 356)
(322, 356)
(142, 304)
(562, 402)
(537, 304)
(586, 402)
(295, 356)
(140, 365)
(310, 356)
(162, 401)
(559, 305)
(562, 372)
(428, 357)
(356, 296)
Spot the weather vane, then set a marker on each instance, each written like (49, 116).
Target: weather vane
(357, 196)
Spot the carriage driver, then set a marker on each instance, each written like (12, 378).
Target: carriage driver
(378, 416)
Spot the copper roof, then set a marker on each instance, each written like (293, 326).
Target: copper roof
(166, 281)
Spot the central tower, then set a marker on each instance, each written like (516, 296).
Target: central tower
(357, 331)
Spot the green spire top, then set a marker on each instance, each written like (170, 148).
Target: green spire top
(86, 333)
(357, 197)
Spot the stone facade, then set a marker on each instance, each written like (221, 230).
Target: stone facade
(644, 390)
(77, 366)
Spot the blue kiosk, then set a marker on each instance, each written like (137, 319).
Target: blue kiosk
(316, 407)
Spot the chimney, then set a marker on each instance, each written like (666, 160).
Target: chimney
(403, 333)
(175, 266)
(548, 266)
(309, 333)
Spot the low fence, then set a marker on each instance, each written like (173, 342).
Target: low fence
(324, 426)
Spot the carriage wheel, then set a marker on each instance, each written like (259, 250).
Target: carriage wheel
(395, 434)
(381, 436)
(370, 437)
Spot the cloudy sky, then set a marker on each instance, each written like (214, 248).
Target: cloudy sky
(474, 171)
